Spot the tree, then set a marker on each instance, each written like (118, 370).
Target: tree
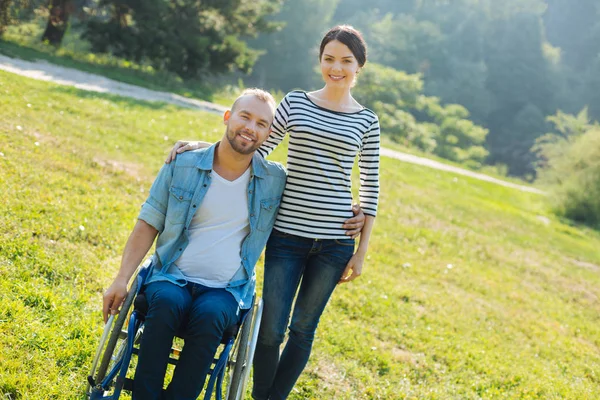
(522, 90)
(570, 25)
(590, 87)
(348, 10)
(4, 14)
(187, 37)
(406, 44)
(290, 54)
(11, 11)
(58, 21)
(567, 129)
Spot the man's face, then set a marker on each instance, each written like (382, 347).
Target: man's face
(248, 124)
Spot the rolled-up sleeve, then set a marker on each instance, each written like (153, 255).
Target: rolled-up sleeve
(154, 208)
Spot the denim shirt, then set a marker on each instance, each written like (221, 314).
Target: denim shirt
(177, 193)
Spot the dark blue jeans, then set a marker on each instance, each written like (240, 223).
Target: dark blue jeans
(200, 315)
(316, 265)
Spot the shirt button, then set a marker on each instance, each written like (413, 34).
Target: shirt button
(252, 215)
(180, 197)
(194, 206)
(180, 249)
(250, 191)
(204, 185)
(270, 207)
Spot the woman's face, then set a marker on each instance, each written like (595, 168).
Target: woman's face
(338, 65)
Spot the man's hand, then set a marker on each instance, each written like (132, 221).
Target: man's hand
(355, 224)
(354, 268)
(113, 298)
(182, 146)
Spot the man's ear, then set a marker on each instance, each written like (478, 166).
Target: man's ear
(226, 116)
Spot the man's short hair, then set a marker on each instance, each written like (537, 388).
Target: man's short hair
(260, 94)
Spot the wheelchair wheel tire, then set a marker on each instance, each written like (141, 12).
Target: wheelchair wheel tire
(237, 383)
(116, 333)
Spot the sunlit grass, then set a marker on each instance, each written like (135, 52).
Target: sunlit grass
(471, 290)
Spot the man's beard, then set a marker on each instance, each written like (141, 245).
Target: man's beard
(235, 145)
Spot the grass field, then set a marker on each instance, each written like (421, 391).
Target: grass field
(471, 290)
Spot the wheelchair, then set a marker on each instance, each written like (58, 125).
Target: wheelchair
(112, 372)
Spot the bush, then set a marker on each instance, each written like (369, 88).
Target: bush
(416, 120)
(570, 165)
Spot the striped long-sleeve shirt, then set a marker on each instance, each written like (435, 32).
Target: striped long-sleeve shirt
(323, 145)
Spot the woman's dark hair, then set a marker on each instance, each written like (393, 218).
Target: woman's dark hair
(349, 36)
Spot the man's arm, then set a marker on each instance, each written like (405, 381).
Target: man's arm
(137, 247)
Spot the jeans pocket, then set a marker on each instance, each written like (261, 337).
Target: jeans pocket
(344, 242)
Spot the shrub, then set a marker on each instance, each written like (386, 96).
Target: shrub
(570, 165)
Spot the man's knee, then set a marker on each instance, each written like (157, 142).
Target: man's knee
(211, 321)
(166, 301)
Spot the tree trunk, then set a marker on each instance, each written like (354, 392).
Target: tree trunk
(58, 21)
(4, 17)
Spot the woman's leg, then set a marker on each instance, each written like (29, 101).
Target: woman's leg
(167, 307)
(284, 262)
(321, 275)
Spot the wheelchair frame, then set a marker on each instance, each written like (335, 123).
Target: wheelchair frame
(120, 340)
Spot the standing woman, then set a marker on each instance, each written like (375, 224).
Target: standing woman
(308, 247)
(308, 251)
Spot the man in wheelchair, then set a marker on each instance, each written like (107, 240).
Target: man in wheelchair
(212, 210)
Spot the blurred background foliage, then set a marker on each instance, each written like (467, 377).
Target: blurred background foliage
(498, 85)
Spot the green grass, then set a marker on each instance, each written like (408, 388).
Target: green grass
(496, 171)
(471, 290)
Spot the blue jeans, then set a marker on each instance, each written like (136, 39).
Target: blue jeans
(316, 265)
(197, 313)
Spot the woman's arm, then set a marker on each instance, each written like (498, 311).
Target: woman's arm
(355, 265)
(368, 164)
(182, 146)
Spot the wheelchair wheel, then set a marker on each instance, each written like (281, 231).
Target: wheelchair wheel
(117, 333)
(243, 354)
(117, 340)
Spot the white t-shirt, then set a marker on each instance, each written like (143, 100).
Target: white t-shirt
(216, 233)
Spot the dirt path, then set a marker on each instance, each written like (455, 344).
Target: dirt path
(42, 70)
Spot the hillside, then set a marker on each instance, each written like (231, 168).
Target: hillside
(471, 290)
